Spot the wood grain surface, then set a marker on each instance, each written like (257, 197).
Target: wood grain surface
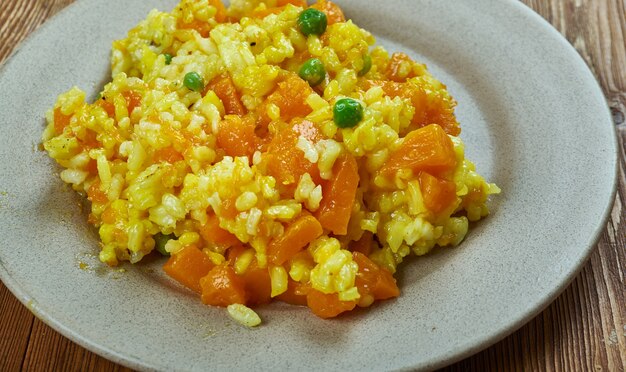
(584, 329)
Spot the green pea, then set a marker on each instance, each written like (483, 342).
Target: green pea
(168, 58)
(160, 240)
(347, 113)
(193, 81)
(312, 22)
(367, 65)
(313, 71)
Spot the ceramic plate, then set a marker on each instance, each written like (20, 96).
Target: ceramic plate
(534, 121)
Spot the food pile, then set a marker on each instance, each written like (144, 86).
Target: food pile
(272, 152)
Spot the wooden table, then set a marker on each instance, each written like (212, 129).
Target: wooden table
(584, 329)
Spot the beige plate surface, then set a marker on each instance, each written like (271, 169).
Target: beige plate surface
(534, 121)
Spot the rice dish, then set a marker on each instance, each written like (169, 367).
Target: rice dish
(272, 151)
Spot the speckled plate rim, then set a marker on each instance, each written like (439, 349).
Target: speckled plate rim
(495, 335)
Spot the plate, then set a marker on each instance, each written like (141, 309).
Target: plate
(534, 121)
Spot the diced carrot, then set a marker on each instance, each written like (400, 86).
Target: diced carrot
(108, 216)
(92, 166)
(400, 67)
(363, 245)
(213, 234)
(426, 149)
(258, 285)
(133, 99)
(236, 135)
(60, 121)
(188, 266)
(327, 305)
(229, 210)
(225, 90)
(386, 287)
(95, 195)
(90, 140)
(290, 97)
(203, 27)
(220, 16)
(109, 107)
(234, 252)
(223, 287)
(294, 92)
(307, 129)
(333, 12)
(374, 280)
(428, 110)
(176, 136)
(295, 238)
(338, 195)
(293, 295)
(438, 194)
(167, 154)
(287, 163)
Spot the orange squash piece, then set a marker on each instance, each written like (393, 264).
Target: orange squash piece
(426, 149)
(95, 194)
(229, 210)
(427, 111)
(203, 27)
(107, 106)
(90, 141)
(285, 162)
(374, 280)
(438, 194)
(60, 120)
(290, 97)
(188, 266)
(327, 305)
(363, 245)
(108, 216)
(213, 234)
(167, 154)
(133, 99)
(394, 69)
(225, 90)
(236, 135)
(333, 12)
(234, 252)
(338, 195)
(92, 167)
(220, 16)
(292, 100)
(307, 129)
(295, 294)
(295, 238)
(258, 285)
(223, 287)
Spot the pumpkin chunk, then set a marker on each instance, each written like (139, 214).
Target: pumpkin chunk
(338, 195)
(188, 266)
(426, 149)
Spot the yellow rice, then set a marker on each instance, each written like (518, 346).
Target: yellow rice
(145, 196)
